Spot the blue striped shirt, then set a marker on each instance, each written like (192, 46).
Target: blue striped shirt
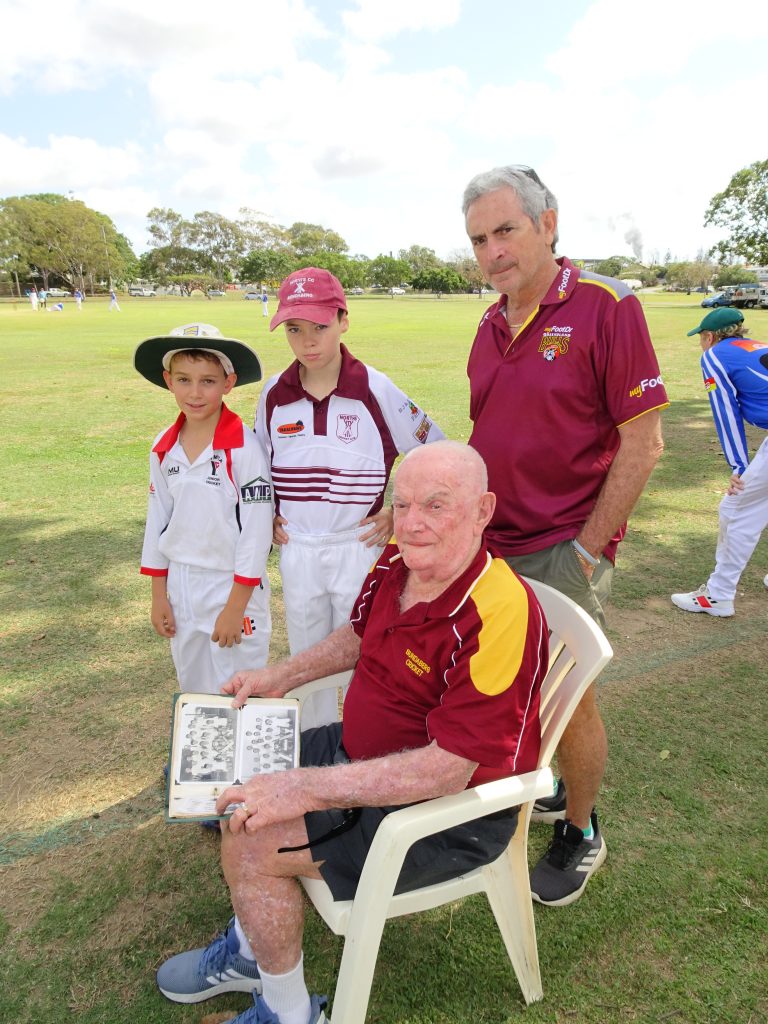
(736, 379)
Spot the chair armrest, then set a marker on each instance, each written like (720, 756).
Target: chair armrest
(301, 693)
(401, 829)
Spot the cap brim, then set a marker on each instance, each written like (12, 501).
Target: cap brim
(696, 330)
(148, 357)
(306, 311)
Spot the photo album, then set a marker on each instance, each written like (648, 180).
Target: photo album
(214, 745)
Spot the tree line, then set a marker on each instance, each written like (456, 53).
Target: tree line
(51, 239)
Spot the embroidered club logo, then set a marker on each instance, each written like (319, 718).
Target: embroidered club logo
(421, 433)
(298, 287)
(417, 665)
(291, 428)
(215, 464)
(347, 426)
(554, 342)
(709, 384)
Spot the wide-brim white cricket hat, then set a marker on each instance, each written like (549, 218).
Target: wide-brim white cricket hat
(153, 355)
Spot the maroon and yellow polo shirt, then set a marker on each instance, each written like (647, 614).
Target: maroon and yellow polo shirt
(464, 670)
(547, 406)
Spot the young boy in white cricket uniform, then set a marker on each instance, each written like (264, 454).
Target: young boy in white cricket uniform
(332, 428)
(210, 511)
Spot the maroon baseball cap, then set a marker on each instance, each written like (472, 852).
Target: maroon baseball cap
(309, 294)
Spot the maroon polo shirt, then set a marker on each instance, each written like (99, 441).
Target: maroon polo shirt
(547, 406)
(464, 670)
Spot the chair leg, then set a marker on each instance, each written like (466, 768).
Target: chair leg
(358, 962)
(508, 889)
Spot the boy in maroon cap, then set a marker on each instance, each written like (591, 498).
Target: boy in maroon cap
(332, 428)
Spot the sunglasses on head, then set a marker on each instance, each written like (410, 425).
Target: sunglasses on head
(528, 172)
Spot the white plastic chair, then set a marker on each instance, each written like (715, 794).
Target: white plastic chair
(578, 651)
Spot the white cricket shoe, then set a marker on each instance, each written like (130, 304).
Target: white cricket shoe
(765, 580)
(701, 601)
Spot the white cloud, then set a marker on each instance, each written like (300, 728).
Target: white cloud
(66, 163)
(372, 20)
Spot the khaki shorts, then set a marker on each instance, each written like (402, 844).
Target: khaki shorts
(559, 567)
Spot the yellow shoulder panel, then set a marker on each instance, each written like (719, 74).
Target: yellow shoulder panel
(502, 605)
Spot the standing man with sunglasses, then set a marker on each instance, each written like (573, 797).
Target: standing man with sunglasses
(565, 402)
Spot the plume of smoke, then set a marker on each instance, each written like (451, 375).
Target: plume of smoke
(634, 239)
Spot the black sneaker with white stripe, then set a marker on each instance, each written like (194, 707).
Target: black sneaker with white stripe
(200, 974)
(562, 874)
(550, 808)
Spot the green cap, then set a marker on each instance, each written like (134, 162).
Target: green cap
(716, 319)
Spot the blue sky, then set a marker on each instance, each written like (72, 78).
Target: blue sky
(370, 117)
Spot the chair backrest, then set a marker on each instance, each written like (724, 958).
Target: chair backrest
(578, 652)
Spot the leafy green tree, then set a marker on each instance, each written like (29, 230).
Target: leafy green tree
(52, 236)
(420, 258)
(611, 267)
(267, 266)
(742, 210)
(440, 279)
(465, 264)
(221, 240)
(388, 272)
(313, 238)
(732, 275)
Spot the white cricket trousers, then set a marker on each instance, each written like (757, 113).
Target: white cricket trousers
(197, 596)
(322, 576)
(743, 517)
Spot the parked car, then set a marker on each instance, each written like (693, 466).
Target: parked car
(138, 292)
(719, 299)
(214, 292)
(357, 291)
(397, 291)
(252, 296)
(58, 293)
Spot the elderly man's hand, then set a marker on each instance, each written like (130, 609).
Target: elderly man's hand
(268, 799)
(251, 683)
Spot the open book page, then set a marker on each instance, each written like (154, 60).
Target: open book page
(214, 746)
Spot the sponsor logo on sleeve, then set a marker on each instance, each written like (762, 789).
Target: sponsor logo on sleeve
(421, 433)
(256, 491)
(347, 424)
(644, 385)
(709, 384)
(415, 664)
(289, 429)
(173, 470)
(151, 488)
(412, 409)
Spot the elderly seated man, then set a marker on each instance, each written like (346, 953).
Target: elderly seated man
(449, 648)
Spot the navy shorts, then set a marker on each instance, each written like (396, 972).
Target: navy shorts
(429, 861)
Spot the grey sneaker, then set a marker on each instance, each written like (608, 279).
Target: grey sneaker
(201, 974)
(562, 874)
(260, 1013)
(550, 808)
(701, 601)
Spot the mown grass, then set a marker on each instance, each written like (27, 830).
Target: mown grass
(96, 890)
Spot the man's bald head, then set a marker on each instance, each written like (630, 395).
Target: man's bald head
(459, 460)
(441, 504)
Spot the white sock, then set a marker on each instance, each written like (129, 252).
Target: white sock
(245, 946)
(286, 994)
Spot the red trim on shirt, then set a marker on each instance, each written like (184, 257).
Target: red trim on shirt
(248, 581)
(153, 572)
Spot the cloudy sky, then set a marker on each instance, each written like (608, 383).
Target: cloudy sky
(369, 116)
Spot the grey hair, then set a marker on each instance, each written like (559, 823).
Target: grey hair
(533, 194)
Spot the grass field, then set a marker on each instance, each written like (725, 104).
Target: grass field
(96, 891)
